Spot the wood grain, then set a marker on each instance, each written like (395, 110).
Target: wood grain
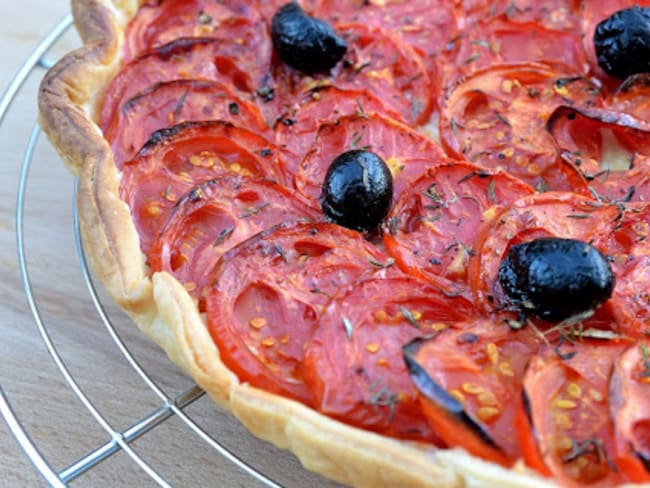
(50, 412)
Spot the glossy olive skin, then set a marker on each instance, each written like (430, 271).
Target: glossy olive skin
(555, 279)
(357, 190)
(622, 42)
(303, 42)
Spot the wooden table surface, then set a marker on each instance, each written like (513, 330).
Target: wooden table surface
(52, 415)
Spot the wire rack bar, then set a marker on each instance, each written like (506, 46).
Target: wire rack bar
(7, 98)
(58, 360)
(36, 58)
(131, 434)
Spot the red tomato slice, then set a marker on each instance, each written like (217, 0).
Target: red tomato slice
(561, 15)
(632, 97)
(431, 228)
(170, 103)
(470, 384)
(553, 214)
(629, 402)
(268, 295)
(181, 157)
(214, 217)
(406, 152)
(628, 248)
(296, 130)
(426, 25)
(377, 62)
(496, 118)
(167, 20)
(611, 149)
(353, 365)
(186, 58)
(502, 41)
(569, 409)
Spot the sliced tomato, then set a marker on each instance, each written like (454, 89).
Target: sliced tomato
(496, 118)
(432, 226)
(632, 97)
(234, 21)
(295, 131)
(611, 149)
(406, 152)
(170, 103)
(628, 248)
(629, 402)
(353, 365)
(500, 40)
(552, 214)
(550, 14)
(470, 385)
(569, 409)
(376, 61)
(426, 25)
(176, 159)
(186, 58)
(268, 295)
(214, 217)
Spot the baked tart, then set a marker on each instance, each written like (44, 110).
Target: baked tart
(407, 241)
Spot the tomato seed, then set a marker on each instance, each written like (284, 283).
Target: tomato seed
(373, 347)
(563, 421)
(565, 404)
(488, 414)
(472, 388)
(487, 399)
(457, 395)
(258, 322)
(506, 369)
(574, 390)
(493, 353)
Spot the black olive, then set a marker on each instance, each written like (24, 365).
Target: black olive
(622, 42)
(357, 190)
(304, 42)
(555, 279)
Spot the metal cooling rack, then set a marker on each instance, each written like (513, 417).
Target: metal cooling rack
(119, 441)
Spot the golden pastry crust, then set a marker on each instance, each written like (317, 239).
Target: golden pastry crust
(69, 100)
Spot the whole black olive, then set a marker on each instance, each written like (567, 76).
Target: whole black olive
(555, 279)
(622, 42)
(357, 190)
(304, 42)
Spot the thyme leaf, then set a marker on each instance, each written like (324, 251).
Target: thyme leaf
(408, 315)
(253, 211)
(281, 252)
(490, 192)
(383, 397)
(645, 352)
(223, 235)
(587, 447)
(389, 262)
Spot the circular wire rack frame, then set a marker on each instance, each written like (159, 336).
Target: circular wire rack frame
(118, 440)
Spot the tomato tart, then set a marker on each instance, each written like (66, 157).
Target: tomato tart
(406, 240)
